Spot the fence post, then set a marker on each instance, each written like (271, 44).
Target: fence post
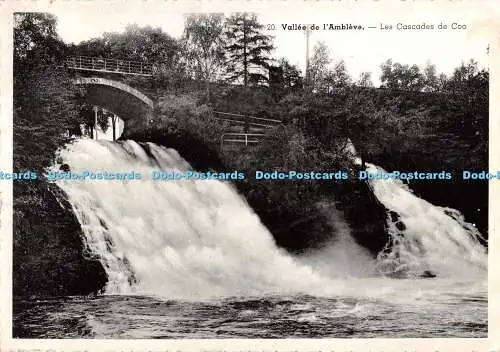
(246, 139)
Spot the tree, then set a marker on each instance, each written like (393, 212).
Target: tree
(114, 120)
(401, 77)
(430, 78)
(338, 78)
(144, 44)
(46, 109)
(463, 75)
(36, 40)
(87, 116)
(292, 77)
(44, 97)
(442, 82)
(469, 91)
(318, 67)
(203, 40)
(247, 49)
(365, 80)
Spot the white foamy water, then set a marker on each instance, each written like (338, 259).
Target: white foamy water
(174, 238)
(199, 238)
(433, 238)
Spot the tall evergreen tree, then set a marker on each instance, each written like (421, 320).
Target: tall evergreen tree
(248, 49)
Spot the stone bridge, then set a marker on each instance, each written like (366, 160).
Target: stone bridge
(102, 81)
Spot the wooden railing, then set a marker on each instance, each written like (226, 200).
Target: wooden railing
(244, 129)
(128, 67)
(247, 122)
(241, 138)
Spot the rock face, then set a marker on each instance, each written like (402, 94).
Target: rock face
(365, 215)
(49, 256)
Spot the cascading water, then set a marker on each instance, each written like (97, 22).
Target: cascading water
(426, 237)
(182, 237)
(177, 238)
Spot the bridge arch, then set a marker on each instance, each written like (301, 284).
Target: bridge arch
(131, 105)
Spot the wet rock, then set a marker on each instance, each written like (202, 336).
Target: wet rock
(394, 216)
(65, 168)
(400, 226)
(428, 274)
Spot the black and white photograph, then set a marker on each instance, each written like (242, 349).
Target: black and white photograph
(245, 173)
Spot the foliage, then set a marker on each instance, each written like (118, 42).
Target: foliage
(318, 67)
(44, 110)
(35, 40)
(181, 114)
(468, 108)
(247, 49)
(145, 44)
(292, 77)
(48, 254)
(402, 77)
(203, 41)
(322, 78)
(338, 78)
(45, 100)
(365, 80)
(432, 82)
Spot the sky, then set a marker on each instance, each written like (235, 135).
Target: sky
(361, 50)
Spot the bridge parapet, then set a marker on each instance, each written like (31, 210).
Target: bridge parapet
(97, 64)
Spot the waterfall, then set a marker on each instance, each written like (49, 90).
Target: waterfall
(425, 237)
(199, 238)
(175, 238)
(426, 240)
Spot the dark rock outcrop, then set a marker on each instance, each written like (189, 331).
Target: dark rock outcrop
(49, 255)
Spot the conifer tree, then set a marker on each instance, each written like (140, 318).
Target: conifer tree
(248, 49)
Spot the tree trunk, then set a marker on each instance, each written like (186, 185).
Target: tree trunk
(95, 121)
(245, 61)
(113, 123)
